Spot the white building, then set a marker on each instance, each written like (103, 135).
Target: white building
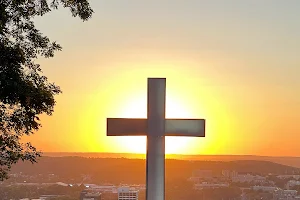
(101, 188)
(204, 185)
(127, 193)
(138, 187)
(265, 188)
(88, 195)
(289, 176)
(242, 178)
(229, 174)
(292, 183)
(285, 195)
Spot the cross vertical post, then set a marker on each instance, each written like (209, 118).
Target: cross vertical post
(155, 158)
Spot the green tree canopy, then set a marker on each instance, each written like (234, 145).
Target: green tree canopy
(24, 92)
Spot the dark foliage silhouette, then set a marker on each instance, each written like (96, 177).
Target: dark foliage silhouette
(24, 92)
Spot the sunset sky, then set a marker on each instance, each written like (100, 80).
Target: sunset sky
(234, 63)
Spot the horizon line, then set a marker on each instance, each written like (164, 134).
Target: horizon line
(250, 155)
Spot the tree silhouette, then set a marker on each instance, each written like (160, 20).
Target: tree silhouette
(24, 92)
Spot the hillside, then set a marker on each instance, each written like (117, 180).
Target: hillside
(116, 170)
(290, 161)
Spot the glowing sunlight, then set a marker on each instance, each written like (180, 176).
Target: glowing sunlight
(137, 108)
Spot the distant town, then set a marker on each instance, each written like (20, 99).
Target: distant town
(185, 180)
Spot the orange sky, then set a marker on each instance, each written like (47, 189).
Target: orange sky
(234, 64)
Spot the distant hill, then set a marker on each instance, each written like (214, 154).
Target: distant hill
(116, 170)
(290, 161)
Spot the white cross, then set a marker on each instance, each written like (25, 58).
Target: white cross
(155, 127)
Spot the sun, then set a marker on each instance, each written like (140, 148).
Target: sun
(137, 108)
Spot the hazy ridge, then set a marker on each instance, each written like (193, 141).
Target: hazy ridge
(290, 161)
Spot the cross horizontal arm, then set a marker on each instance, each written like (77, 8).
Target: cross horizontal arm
(185, 127)
(138, 127)
(126, 127)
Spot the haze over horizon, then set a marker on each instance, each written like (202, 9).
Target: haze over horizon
(233, 63)
(283, 160)
(170, 155)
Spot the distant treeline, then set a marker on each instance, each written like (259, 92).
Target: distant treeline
(116, 170)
